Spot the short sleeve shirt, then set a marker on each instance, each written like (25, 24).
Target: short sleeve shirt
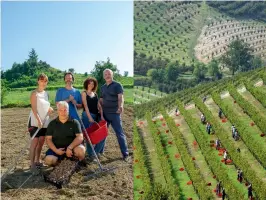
(63, 94)
(63, 134)
(109, 93)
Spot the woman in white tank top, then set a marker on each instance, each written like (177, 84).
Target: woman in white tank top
(39, 118)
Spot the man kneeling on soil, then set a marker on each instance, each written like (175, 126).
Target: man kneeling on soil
(63, 136)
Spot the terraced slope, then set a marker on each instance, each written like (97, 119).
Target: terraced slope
(186, 31)
(193, 160)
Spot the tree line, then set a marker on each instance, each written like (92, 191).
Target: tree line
(25, 74)
(244, 9)
(168, 76)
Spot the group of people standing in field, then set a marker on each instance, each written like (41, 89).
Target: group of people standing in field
(64, 135)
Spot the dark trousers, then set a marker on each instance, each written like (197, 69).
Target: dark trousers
(115, 120)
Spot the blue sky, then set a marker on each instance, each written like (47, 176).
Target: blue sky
(68, 34)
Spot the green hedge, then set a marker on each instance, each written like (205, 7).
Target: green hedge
(251, 110)
(140, 154)
(166, 168)
(258, 93)
(128, 86)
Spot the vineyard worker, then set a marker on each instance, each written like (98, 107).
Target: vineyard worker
(238, 172)
(204, 99)
(233, 128)
(40, 106)
(223, 194)
(69, 94)
(250, 195)
(236, 135)
(202, 118)
(225, 157)
(63, 136)
(112, 102)
(92, 112)
(218, 188)
(220, 113)
(208, 127)
(217, 144)
(240, 176)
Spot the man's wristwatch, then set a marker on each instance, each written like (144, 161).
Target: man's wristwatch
(69, 148)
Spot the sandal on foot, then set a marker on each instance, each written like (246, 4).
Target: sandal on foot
(40, 165)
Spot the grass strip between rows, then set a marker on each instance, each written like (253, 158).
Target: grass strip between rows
(199, 183)
(210, 156)
(167, 170)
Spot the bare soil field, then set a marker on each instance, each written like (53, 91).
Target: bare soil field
(14, 136)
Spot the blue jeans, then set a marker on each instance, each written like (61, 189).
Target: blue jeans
(98, 148)
(115, 120)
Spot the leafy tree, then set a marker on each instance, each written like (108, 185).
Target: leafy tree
(25, 74)
(172, 71)
(2, 74)
(213, 69)
(158, 75)
(3, 90)
(200, 71)
(238, 56)
(125, 73)
(150, 72)
(98, 69)
(27, 68)
(33, 58)
(143, 64)
(86, 74)
(256, 62)
(72, 70)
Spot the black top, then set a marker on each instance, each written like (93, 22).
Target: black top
(63, 134)
(109, 93)
(92, 103)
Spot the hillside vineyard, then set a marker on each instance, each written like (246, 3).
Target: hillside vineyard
(215, 38)
(176, 157)
(189, 31)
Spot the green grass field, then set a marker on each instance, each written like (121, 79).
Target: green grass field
(79, 80)
(22, 98)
